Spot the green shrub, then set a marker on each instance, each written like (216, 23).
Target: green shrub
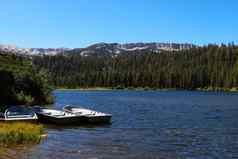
(21, 83)
(23, 98)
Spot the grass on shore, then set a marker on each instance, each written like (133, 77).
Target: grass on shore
(217, 89)
(108, 88)
(20, 133)
(207, 89)
(86, 89)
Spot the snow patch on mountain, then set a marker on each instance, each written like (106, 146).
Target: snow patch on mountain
(109, 49)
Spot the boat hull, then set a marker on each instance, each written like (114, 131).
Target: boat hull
(98, 119)
(91, 116)
(75, 120)
(18, 120)
(61, 120)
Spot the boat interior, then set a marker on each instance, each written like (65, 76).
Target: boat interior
(17, 112)
(83, 111)
(55, 113)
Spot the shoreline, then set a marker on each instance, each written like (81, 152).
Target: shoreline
(111, 88)
(209, 89)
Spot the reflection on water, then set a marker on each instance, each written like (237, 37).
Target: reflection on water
(150, 124)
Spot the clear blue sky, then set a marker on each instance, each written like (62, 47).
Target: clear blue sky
(78, 23)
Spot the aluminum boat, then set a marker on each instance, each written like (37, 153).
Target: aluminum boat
(90, 116)
(17, 113)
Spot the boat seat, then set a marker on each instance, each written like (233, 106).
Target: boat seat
(19, 116)
(2, 115)
(59, 114)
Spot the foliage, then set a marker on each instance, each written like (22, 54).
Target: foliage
(210, 66)
(24, 98)
(21, 83)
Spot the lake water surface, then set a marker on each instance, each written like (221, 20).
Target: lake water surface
(145, 124)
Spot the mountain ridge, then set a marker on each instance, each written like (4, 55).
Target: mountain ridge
(100, 48)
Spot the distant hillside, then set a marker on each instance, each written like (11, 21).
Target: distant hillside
(110, 49)
(20, 83)
(208, 67)
(113, 49)
(12, 49)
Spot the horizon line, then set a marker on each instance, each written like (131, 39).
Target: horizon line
(122, 43)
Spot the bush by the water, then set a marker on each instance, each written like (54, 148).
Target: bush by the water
(20, 133)
(21, 83)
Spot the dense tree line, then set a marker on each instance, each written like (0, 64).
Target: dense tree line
(20, 83)
(210, 66)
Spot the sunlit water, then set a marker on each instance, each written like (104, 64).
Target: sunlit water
(145, 124)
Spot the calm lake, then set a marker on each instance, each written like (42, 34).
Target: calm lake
(145, 124)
